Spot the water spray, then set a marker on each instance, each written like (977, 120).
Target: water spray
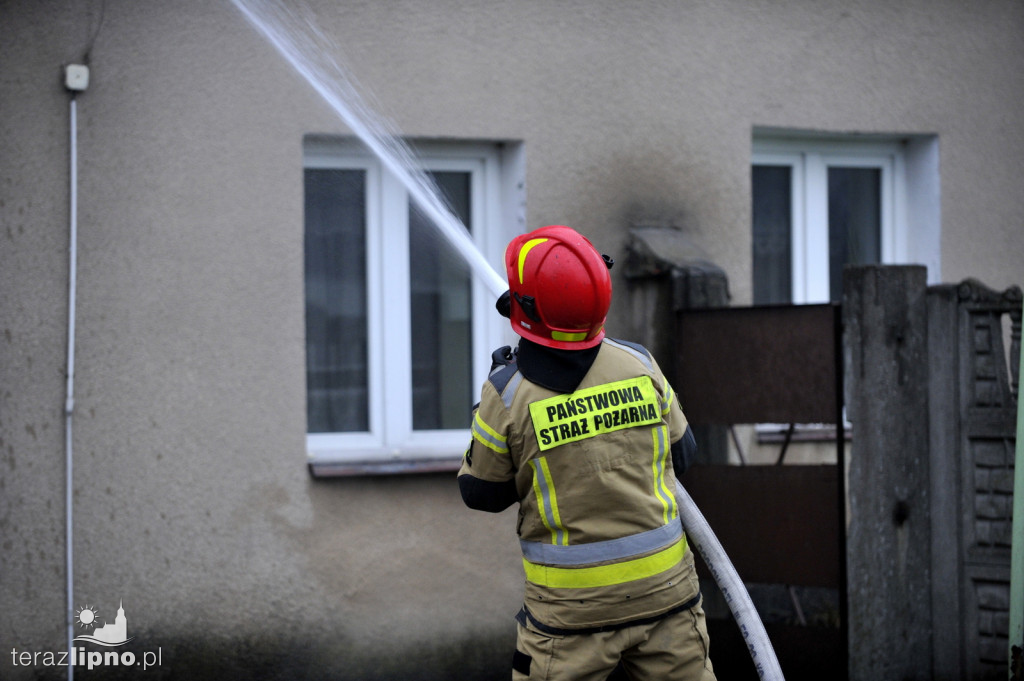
(321, 69)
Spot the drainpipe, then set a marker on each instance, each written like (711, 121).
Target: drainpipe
(1015, 652)
(76, 79)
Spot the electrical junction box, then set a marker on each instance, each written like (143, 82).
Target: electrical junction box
(76, 77)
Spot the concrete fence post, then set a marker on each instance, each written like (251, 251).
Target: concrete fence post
(888, 533)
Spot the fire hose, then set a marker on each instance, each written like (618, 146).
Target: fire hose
(700, 535)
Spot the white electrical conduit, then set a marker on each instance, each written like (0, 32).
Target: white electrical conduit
(69, 404)
(699, 533)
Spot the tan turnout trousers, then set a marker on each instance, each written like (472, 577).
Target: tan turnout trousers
(674, 648)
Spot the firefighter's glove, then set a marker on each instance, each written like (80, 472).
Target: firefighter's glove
(503, 356)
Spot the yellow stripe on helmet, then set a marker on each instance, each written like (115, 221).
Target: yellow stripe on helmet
(522, 254)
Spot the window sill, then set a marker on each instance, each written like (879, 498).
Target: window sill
(772, 433)
(337, 469)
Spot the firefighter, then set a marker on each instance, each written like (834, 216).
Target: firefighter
(586, 434)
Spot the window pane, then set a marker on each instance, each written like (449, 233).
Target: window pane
(337, 376)
(772, 217)
(442, 343)
(854, 221)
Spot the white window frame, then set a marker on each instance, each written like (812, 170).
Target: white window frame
(391, 444)
(911, 214)
(809, 201)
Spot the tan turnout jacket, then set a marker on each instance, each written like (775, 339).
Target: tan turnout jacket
(598, 524)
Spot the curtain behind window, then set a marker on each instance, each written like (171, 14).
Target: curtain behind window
(772, 218)
(854, 221)
(337, 375)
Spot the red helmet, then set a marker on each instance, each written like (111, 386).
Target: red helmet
(559, 288)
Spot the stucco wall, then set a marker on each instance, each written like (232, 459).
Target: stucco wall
(192, 500)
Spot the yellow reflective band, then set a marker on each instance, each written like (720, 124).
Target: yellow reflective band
(669, 397)
(563, 336)
(605, 575)
(594, 411)
(488, 437)
(522, 254)
(547, 502)
(661, 490)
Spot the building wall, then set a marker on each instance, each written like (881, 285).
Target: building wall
(192, 500)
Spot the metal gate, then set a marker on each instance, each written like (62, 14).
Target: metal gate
(782, 524)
